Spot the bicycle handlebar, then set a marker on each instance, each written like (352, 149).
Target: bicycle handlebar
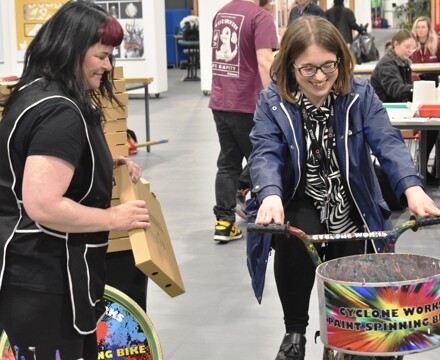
(271, 228)
(390, 236)
(421, 222)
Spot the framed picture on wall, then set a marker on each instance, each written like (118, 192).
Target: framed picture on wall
(129, 15)
(30, 16)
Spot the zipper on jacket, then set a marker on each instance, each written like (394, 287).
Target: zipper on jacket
(347, 166)
(296, 144)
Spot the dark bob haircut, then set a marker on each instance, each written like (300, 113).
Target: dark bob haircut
(302, 33)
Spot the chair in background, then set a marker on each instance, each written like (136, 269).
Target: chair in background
(190, 44)
(412, 140)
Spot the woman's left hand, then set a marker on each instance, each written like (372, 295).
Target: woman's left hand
(419, 203)
(134, 169)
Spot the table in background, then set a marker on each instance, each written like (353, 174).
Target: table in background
(422, 124)
(142, 83)
(367, 68)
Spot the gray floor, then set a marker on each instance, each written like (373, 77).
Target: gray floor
(218, 317)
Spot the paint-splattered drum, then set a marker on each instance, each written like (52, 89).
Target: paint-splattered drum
(380, 304)
(125, 332)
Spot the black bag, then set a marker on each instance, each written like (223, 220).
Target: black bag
(363, 47)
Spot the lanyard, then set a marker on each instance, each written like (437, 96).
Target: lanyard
(318, 152)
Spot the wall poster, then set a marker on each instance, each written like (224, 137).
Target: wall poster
(129, 15)
(30, 16)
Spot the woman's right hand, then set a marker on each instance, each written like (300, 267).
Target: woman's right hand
(271, 210)
(130, 215)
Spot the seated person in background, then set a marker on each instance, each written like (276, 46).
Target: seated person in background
(428, 49)
(344, 20)
(391, 78)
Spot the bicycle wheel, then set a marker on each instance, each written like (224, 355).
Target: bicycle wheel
(125, 331)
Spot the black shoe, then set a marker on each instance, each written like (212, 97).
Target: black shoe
(293, 347)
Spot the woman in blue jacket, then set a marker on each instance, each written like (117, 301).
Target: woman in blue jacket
(315, 130)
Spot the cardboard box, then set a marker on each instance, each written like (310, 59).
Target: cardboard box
(119, 150)
(4, 90)
(116, 234)
(119, 85)
(119, 244)
(118, 72)
(115, 191)
(152, 249)
(116, 138)
(119, 125)
(122, 97)
(115, 113)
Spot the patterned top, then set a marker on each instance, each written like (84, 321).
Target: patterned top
(335, 212)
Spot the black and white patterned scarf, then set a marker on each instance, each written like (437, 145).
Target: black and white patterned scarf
(338, 218)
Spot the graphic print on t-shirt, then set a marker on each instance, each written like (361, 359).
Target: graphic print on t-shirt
(225, 45)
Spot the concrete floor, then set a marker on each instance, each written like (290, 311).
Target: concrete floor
(218, 317)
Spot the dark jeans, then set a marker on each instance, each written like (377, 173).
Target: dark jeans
(233, 131)
(44, 322)
(244, 182)
(294, 269)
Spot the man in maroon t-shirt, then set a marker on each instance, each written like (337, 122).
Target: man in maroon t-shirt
(243, 38)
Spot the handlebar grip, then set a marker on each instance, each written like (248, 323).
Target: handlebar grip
(420, 221)
(271, 228)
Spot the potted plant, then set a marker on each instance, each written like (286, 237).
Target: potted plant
(407, 13)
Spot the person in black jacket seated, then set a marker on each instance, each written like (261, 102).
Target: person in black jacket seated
(392, 76)
(344, 20)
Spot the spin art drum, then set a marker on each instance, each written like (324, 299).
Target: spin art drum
(380, 304)
(125, 332)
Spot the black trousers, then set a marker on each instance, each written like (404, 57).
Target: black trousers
(294, 269)
(233, 131)
(123, 275)
(39, 324)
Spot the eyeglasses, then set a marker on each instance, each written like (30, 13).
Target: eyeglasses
(409, 47)
(311, 70)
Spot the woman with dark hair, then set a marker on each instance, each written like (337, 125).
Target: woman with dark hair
(55, 188)
(315, 128)
(344, 20)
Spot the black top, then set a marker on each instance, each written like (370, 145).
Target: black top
(43, 121)
(344, 20)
